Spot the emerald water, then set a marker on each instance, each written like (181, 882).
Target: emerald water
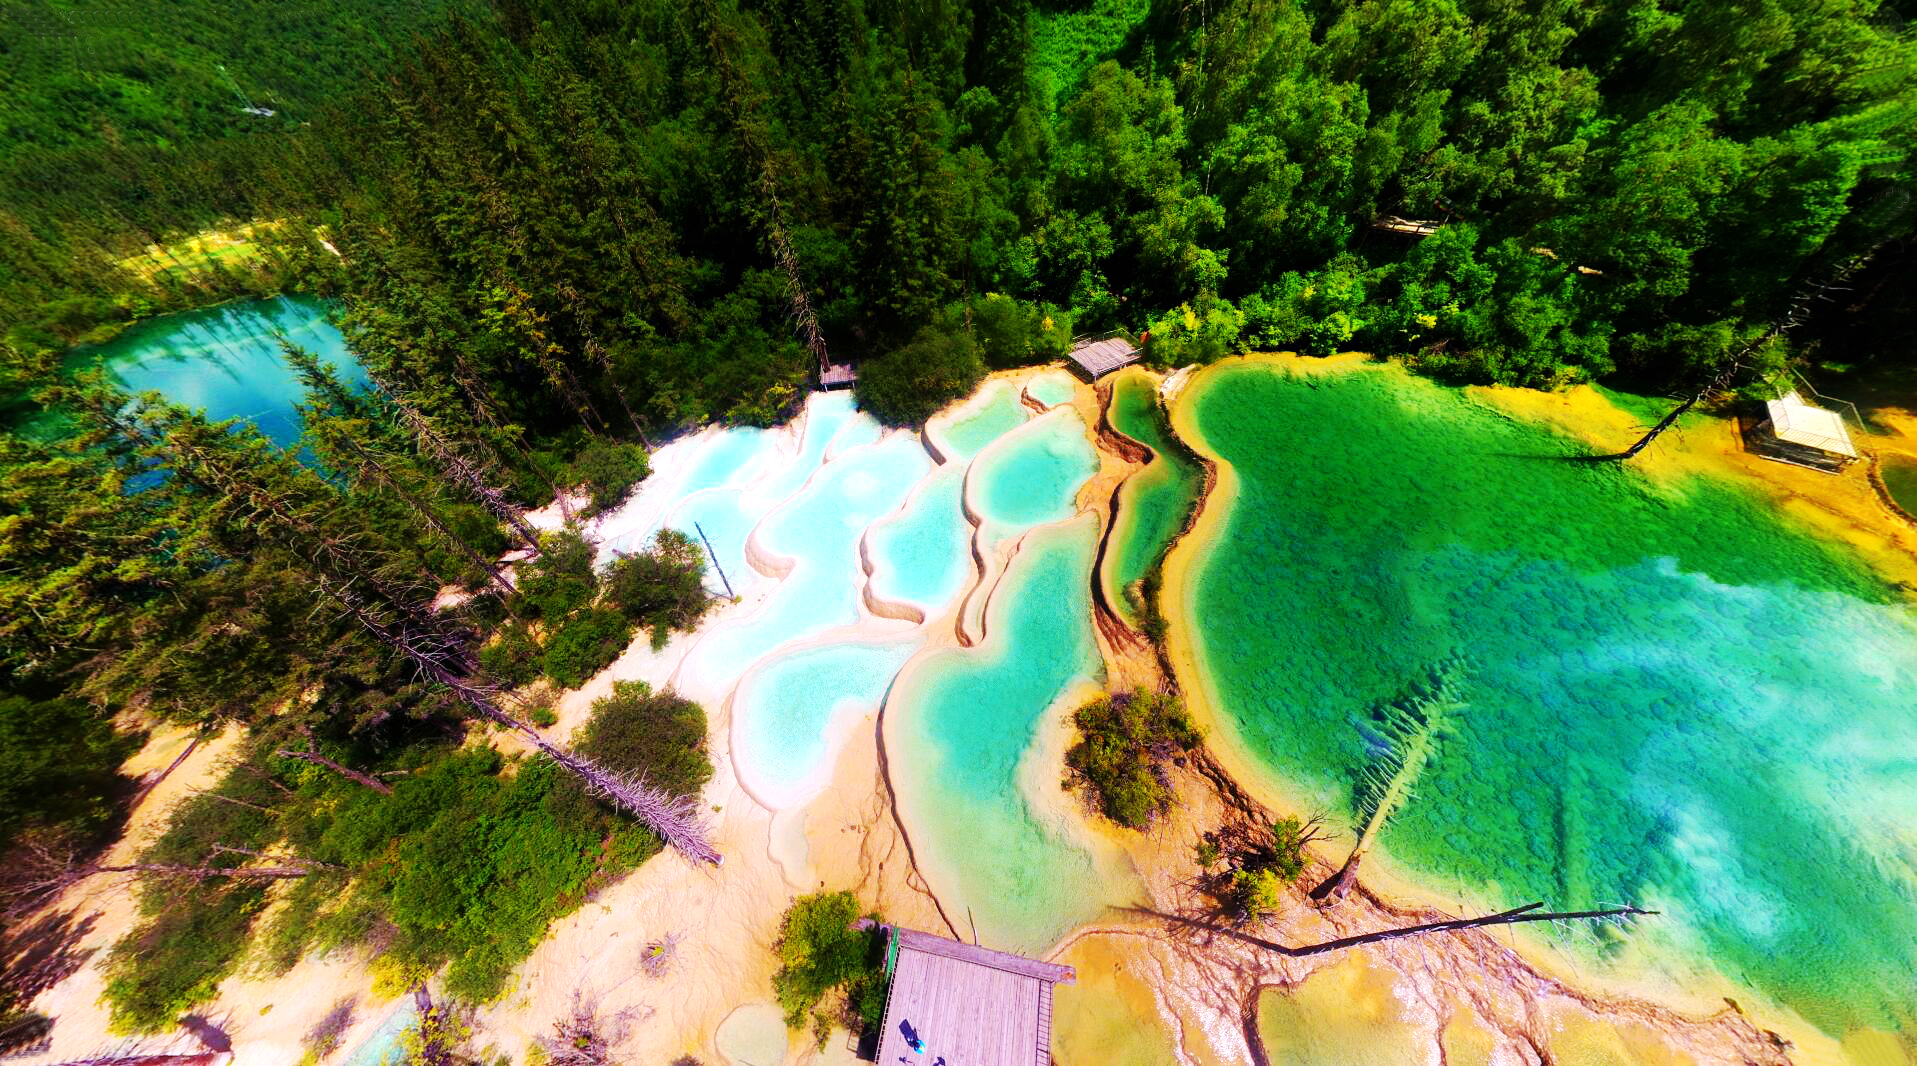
(226, 361)
(1900, 477)
(1153, 503)
(1674, 698)
(960, 724)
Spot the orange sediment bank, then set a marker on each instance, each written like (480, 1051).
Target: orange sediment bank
(1845, 508)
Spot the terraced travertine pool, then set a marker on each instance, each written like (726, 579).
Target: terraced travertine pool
(827, 528)
(1674, 697)
(1153, 503)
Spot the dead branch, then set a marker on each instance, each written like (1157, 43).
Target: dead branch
(1515, 916)
(312, 755)
(582, 1038)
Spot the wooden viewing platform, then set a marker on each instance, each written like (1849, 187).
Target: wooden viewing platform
(838, 376)
(1410, 227)
(1100, 355)
(965, 1005)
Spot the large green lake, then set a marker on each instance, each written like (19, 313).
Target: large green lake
(1675, 699)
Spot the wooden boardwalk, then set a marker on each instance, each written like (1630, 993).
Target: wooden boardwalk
(966, 1005)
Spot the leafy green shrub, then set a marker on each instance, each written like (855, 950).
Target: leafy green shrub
(1207, 852)
(1257, 892)
(178, 959)
(1011, 332)
(512, 657)
(1287, 848)
(658, 734)
(541, 714)
(1122, 741)
(663, 587)
(1201, 331)
(907, 385)
(608, 471)
(820, 952)
(471, 864)
(561, 577)
(1265, 863)
(585, 644)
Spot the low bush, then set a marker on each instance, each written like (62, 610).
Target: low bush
(511, 658)
(1265, 862)
(460, 868)
(585, 644)
(179, 957)
(1123, 741)
(660, 735)
(1257, 892)
(820, 953)
(663, 587)
(609, 471)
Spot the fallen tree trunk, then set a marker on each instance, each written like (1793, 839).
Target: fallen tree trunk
(1515, 916)
(346, 772)
(675, 818)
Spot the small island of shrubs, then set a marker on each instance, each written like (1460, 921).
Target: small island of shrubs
(1125, 740)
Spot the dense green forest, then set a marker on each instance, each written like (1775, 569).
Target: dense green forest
(557, 231)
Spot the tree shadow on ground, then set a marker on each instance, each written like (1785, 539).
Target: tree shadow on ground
(33, 958)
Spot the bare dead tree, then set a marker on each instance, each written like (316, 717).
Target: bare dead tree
(658, 955)
(392, 481)
(459, 468)
(1800, 309)
(312, 755)
(675, 818)
(232, 800)
(582, 1038)
(1515, 916)
(43, 869)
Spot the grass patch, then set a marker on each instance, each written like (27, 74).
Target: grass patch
(228, 247)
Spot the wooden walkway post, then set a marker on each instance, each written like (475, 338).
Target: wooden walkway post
(715, 562)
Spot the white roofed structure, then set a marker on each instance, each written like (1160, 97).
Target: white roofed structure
(1795, 422)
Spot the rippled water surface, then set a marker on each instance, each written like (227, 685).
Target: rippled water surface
(1674, 698)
